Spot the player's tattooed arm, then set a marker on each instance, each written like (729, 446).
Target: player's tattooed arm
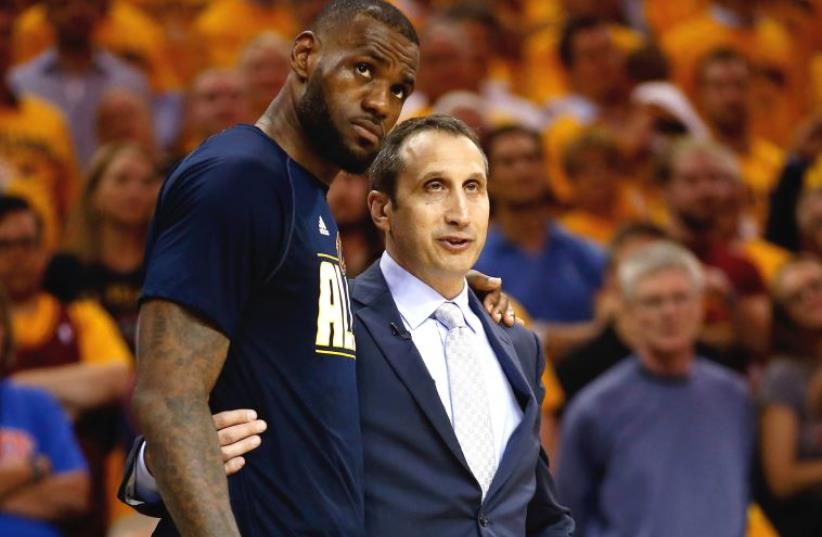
(179, 358)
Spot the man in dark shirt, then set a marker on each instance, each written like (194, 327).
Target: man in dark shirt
(245, 303)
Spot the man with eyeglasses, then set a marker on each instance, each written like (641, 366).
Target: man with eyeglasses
(71, 350)
(671, 427)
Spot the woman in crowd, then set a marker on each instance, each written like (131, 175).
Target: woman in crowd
(106, 239)
(790, 394)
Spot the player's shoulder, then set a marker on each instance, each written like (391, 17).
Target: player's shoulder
(243, 146)
(241, 161)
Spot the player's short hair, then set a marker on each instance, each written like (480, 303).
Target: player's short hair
(15, 204)
(388, 165)
(339, 14)
(570, 31)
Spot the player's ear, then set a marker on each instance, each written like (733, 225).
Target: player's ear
(379, 205)
(304, 54)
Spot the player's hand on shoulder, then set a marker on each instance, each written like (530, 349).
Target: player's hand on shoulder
(489, 289)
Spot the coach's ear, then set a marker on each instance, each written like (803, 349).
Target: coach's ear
(379, 205)
(304, 54)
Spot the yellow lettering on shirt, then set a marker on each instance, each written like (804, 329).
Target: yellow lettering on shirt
(334, 334)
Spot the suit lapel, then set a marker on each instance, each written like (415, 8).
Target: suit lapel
(506, 354)
(375, 309)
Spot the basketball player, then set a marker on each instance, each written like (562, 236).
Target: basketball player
(245, 302)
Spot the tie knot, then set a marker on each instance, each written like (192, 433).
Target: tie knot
(450, 315)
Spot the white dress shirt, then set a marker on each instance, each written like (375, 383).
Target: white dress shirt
(417, 302)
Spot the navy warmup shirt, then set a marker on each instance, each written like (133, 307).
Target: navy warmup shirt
(243, 236)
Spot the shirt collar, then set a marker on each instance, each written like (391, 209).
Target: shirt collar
(415, 299)
(51, 62)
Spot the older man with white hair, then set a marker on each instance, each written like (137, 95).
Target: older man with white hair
(660, 444)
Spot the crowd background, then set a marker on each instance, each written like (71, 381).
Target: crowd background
(608, 124)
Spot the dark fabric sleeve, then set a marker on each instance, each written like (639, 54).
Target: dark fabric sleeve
(126, 489)
(545, 516)
(783, 384)
(781, 227)
(219, 231)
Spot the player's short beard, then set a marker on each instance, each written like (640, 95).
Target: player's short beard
(315, 118)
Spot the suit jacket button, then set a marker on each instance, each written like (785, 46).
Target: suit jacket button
(483, 521)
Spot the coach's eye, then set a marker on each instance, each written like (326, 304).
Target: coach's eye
(364, 69)
(434, 186)
(472, 186)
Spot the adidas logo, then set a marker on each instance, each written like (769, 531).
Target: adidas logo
(323, 228)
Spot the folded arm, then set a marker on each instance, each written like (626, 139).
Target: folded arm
(52, 498)
(80, 387)
(785, 473)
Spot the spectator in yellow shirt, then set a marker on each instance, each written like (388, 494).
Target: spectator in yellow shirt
(72, 350)
(778, 99)
(599, 91)
(724, 96)
(544, 76)
(601, 201)
(226, 26)
(36, 145)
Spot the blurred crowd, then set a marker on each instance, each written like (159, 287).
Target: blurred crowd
(656, 183)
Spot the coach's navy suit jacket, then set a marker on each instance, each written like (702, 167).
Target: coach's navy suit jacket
(417, 482)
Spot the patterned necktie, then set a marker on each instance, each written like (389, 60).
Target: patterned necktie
(469, 402)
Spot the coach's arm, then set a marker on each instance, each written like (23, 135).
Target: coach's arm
(179, 357)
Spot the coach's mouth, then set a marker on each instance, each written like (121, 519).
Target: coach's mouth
(455, 243)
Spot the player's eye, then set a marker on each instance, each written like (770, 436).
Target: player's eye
(398, 92)
(363, 69)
